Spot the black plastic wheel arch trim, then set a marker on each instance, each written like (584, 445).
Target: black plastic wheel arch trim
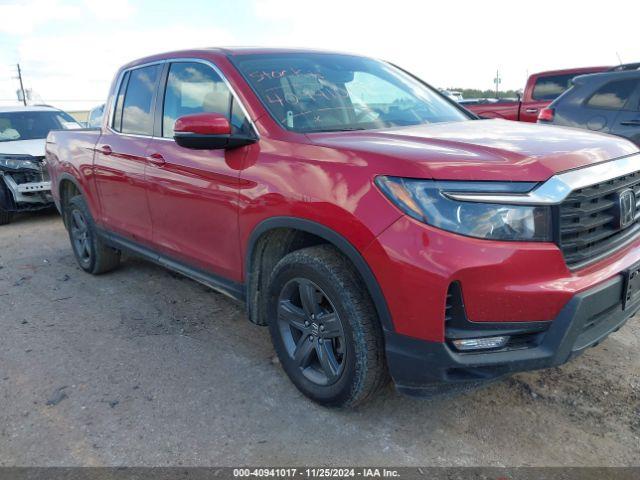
(338, 241)
(67, 177)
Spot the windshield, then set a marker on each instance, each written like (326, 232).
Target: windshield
(33, 125)
(313, 92)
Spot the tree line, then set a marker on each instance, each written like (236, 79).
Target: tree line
(477, 93)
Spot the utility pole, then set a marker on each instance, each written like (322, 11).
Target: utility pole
(619, 58)
(497, 81)
(24, 97)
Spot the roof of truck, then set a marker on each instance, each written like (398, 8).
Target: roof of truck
(228, 51)
(267, 50)
(569, 71)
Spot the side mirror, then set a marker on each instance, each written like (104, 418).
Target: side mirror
(207, 131)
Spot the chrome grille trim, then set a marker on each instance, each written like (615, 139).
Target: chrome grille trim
(555, 190)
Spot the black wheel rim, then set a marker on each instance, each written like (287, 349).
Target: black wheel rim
(80, 236)
(312, 331)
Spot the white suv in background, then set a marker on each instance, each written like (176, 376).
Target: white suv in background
(24, 179)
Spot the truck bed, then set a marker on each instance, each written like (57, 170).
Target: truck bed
(507, 110)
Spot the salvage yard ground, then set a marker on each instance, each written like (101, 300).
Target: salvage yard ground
(144, 367)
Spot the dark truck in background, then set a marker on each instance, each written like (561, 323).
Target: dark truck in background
(603, 102)
(541, 89)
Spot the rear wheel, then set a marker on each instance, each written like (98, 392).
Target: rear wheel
(324, 328)
(90, 251)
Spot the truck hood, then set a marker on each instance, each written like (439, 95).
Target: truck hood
(24, 147)
(479, 150)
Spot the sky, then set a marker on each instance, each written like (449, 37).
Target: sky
(69, 50)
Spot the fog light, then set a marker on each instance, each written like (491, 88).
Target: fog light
(481, 343)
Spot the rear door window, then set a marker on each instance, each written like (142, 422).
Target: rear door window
(551, 87)
(137, 111)
(613, 95)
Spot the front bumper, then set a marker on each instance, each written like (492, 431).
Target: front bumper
(23, 191)
(590, 316)
(502, 282)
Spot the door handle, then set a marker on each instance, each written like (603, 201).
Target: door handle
(531, 110)
(156, 159)
(631, 123)
(106, 150)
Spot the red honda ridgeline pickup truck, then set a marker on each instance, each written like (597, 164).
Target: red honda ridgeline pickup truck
(367, 220)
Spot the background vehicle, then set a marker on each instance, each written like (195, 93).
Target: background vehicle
(452, 94)
(24, 180)
(624, 67)
(94, 119)
(541, 89)
(476, 101)
(359, 214)
(604, 102)
(481, 101)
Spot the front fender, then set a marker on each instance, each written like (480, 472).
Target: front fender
(332, 237)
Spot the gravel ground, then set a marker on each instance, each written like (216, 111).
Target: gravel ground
(144, 367)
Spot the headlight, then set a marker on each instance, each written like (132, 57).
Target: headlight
(427, 201)
(18, 162)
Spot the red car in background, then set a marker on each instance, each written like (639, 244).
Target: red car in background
(541, 89)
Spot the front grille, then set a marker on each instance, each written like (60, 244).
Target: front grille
(588, 218)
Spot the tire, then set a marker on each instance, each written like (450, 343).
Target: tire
(91, 253)
(325, 329)
(5, 217)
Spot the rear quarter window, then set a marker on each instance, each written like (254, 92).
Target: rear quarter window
(613, 95)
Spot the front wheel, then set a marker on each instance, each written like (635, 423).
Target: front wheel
(324, 328)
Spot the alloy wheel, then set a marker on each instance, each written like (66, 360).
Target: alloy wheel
(80, 236)
(312, 331)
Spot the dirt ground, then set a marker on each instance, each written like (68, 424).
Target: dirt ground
(144, 367)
